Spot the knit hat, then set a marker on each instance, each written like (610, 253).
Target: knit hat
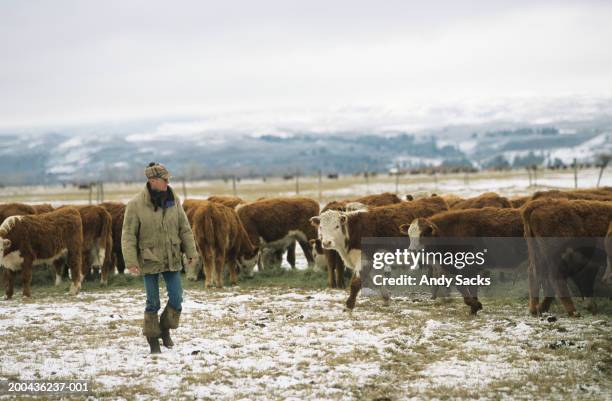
(156, 170)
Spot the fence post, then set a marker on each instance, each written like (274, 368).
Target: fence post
(184, 188)
(90, 193)
(297, 181)
(101, 191)
(575, 173)
(234, 185)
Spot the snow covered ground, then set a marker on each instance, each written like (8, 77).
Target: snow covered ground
(288, 344)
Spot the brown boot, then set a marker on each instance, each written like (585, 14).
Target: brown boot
(154, 345)
(152, 331)
(169, 320)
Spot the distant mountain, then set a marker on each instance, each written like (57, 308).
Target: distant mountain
(63, 157)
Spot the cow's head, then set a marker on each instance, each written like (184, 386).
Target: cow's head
(419, 228)
(249, 256)
(192, 269)
(332, 228)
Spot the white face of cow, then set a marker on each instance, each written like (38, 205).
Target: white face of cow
(332, 228)
(248, 264)
(414, 232)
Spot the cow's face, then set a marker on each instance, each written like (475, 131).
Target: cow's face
(192, 269)
(419, 228)
(247, 262)
(332, 228)
(5, 244)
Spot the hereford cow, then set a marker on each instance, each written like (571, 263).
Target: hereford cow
(561, 218)
(343, 231)
(116, 211)
(15, 209)
(40, 239)
(485, 222)
(274, 224)
(97, 242)
(222, 241)
(335, 266)
(487, 199)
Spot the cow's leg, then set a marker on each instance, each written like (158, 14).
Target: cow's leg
(74, 264)
(26, 277)
(231, 265)
(469, 299)
(119, 262)
(549, 297)
(331, 268)
(9, 283)
(291, 255)
(307, 251)
(58, 267)
(562, 292)
(85, 264)
(339, 272)
(219, 266)
(355, 287)
(209, 267)
(534, 286)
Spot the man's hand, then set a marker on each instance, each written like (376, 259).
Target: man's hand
(134, 270)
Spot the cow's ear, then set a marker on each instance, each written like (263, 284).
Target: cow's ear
(404, 228)
(315, 221)
(430, 230)
(409, 197)
(6, 243)
(343, 219)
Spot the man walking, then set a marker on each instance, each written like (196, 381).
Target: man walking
(155, 234)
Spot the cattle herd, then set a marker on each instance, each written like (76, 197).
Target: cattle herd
(76, 240)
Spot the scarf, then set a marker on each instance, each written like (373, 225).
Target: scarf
(161, 199)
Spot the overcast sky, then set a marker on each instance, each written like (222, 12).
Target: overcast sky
(85, 61)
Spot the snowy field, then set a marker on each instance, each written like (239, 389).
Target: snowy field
(287, 344)
(278, 340)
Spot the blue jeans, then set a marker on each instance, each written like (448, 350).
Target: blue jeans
(173, 285)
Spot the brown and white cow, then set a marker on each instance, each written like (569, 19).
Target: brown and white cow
(97, 251)
(222, 241)
(343, 231)
(274, 224)
(333, 261)
(472, 223)
(117, 212)
(487, 199)
(560, 218)
(30, 240)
